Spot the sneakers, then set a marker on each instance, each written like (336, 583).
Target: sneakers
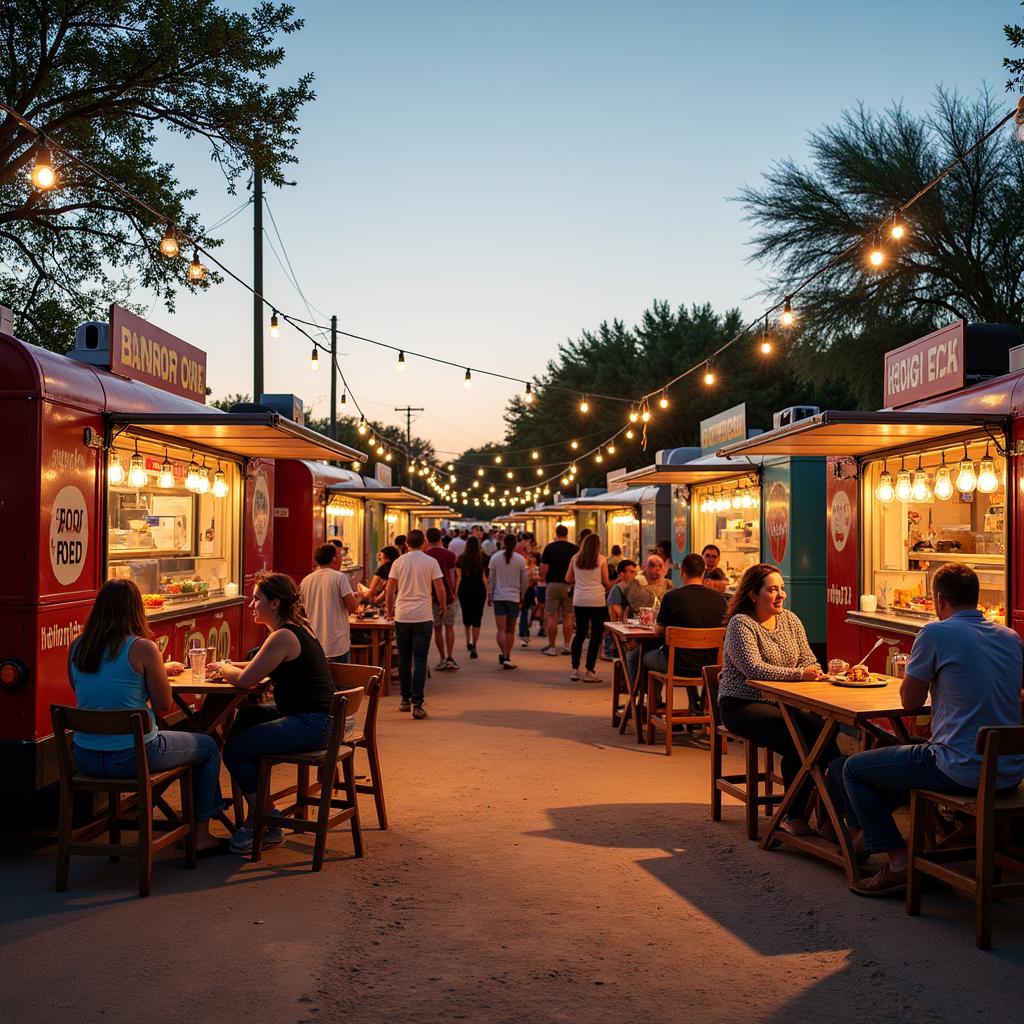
(883, 883)
(524, 641)
(501, 659)
(452, 665)
(574, 675)
(404, 706)
(550, 651)
(507, 664)
(567, 650)
(591, 677)
(419, 711)
(472, 650)
(441, 666)
(241, 841)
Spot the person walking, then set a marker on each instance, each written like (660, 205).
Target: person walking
(588, 576)
(414, 578)
(458, 543)
(529, 598)
(471, 588)
(328, 599)
(444, 619)
(554, 564)
(507, 580)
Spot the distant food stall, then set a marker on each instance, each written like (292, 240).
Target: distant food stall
(618, 517)
(438, 516)
(387, 511)
(926, 480)
(120, 471)
(541, 521)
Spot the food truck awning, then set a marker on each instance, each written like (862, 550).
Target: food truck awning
(394, 496)
(704, 470)
(610, 500)
(253, 435)
(856, 434)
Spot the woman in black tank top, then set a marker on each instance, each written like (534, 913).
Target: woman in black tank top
(299, 717)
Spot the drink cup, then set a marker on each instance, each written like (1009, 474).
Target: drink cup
(197, 659)
(868, 603)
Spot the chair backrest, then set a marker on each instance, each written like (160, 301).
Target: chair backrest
(67, 720)
(993, 742)
(680, 638)
(711, 674)
(367, 676)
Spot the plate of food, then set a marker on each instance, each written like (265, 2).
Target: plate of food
(843, 674)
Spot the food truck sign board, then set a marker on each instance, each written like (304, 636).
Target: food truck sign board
(723, 428)
(932, 365)
(142, 351)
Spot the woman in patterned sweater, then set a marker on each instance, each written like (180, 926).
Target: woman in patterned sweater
(765, 641)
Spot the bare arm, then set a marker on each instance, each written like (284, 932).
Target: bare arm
(390, 591)
(144, 657)
(282, 645)
(605, 579)
(351, 603)
(440, 594)
(570, 575)
(913, 692)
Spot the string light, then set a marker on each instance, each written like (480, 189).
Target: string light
(137, 476)
(169, 246)
(497, 459)
(166, 477)
(275, 329)
(943, 487)
(966, 478)
(898, 231)
(904, 488)
(540, 471)
(314, 360)
(599, 457)
(565, 481)
(196, 271)
(400, 365)
(920, 491)
(535, 454)
(663, 401)
(574, 444)
(633, 415)
(709, 377)
(362, 426)
(876, 256)
(220, 483)
(467, 381)
(43, 175)
(584, 405)
(630, 434)
(192, 475)
(766, 341)
(988, 482)
(344, 399)
(528, 394)
(885, 492)
(611, 449)
(480, 471)
(645, 414)
(787, 317)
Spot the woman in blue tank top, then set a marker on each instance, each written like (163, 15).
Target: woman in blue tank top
(300, 716)
(115, 666)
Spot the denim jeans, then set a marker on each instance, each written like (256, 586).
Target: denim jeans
(592, 618)
(413, 642)
(878, 780)
(168, 749)
(656, 659)
(262, 729)
(341, 659)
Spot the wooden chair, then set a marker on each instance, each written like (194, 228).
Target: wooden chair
(326, 762)
(664, 716)
(977, 867)
(365, 737)
(620, 691)
(359, 653)
(144, 789)
(753, 787)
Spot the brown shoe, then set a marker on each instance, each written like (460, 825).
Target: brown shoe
(883, 883)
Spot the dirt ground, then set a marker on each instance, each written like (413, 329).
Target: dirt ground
(539, 867)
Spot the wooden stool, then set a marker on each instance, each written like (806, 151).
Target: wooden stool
(983, 863)
(326, 762)
(753, 788)
(365, 736)
(359, 654)
(145, 787)
(665, 716)
(620, 691)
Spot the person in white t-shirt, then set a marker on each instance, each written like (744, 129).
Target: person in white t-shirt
(328, 599)
(414, 579)
(507, 580)
(457, 544)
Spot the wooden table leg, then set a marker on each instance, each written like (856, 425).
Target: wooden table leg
(635, 703)
(385, 683)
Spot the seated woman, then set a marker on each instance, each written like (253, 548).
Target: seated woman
(375, 594)
(299, 717)
(765, 641)
(115, 666)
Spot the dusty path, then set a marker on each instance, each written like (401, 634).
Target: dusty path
(539, 868)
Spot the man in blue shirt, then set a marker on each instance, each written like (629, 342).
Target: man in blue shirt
(971, 668)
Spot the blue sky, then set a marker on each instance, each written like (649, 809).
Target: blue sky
(483, 180)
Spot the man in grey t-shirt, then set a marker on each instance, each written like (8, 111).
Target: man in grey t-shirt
(972, 669)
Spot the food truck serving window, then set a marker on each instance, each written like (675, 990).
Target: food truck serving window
(345, 523)
(173, 524)
(728, 513)
(925, 509)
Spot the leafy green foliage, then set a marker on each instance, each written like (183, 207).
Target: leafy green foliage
(103, 78)
(1015, 65)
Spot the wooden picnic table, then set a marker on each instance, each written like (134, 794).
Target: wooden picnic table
(622, 633)
(862, 708)
(381, 634)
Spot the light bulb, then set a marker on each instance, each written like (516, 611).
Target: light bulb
(137, 475)
(203, 483)
(362, 427)
(400, 365)
(220, 484)
(766, 347)
(275, 330)
(43, 174)
(510, 474)
(645, 415)
(169, 246)
(497, 459)
(737, 501)
(115, 471)
(380, 449)
(633, 415)
(528, 394)
(920, 491)
(314, 360)
(943, 488)
(467, 381)
(192, 477)
(599, 457)
(966, 478)
(584, 405)
(903, 485)
(387, 458)
(630, 435)
(540, 471)
(876, 257)
(574, 444)
(344, 399)
(611, 449)
(885, 492)
(899, 228)
(480, 471)
(987, 479)
(787, 317)
(709, 377)
(166, 477)
(357, 466)
(535, 454)
(196, 271)
(663, 401)
(565, 481)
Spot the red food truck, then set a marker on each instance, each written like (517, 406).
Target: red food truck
(116, 469)
(927, 480)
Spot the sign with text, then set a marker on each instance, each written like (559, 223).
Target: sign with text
(718, 430)
(142, 351)
(932, 365)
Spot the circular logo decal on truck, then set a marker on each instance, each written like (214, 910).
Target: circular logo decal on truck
(260, 508)
(839, 520)
(777, 520)
(69, 535)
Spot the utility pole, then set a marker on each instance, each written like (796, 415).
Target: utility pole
(408, 410)
(334, 378)
(257, 284)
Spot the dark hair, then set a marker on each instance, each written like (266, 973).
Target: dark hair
(584, 534)
(280, 587)
(715, 574)
(624, 564)
(665, 547)
(590, 549)
(510, 546)
(711, 547)
(401, 541)
(471, 557)
(957, 584)
(693, 566)
(616, 550)
(433, 534)
(416, 538)
(337, 542)
(325, 554)
(561, 531)
(117, 613)
(390, 552)
(750, 583)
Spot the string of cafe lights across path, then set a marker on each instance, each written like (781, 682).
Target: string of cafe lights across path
(44, 177)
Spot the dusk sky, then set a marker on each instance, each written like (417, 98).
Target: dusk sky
(482, 180)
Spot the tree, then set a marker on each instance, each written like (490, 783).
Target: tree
(106, 79)
(1015, 65)
(963, 256)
